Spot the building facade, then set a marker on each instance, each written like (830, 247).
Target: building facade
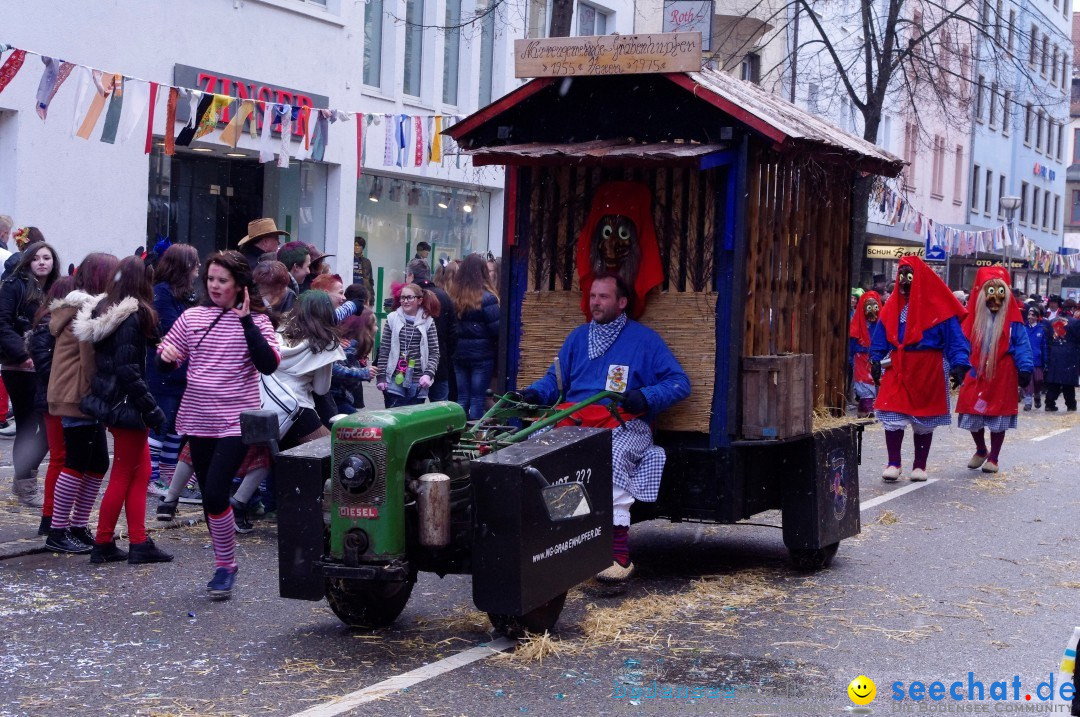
(1020, 116)
(404, 67)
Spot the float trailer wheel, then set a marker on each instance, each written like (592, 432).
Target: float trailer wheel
(367, 605)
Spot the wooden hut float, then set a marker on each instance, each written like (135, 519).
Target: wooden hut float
(752, 203)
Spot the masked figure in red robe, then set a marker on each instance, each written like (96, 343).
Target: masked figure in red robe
(863, 323)
(1001, 360)
(918, 344)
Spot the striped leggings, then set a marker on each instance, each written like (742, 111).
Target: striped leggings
(216, 462)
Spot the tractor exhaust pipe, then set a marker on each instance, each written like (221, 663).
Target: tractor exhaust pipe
(434, 506)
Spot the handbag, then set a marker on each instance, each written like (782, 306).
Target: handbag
(279, 398)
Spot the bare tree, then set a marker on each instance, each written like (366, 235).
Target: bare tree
(922, 59)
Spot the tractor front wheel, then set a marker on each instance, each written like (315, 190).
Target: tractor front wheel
(537, 621)
(366, 604)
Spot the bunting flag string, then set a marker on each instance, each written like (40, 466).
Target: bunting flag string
(890, 207)
(118, 102)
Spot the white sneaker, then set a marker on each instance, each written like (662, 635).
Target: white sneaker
(918, 475)
(7, 428)
(891, 473)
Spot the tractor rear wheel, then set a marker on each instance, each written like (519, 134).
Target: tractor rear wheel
(537, 621)
(365, 604)
(808, 560)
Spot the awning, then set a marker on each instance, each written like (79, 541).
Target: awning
(622, 151)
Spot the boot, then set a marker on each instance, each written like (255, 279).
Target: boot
(107, 553)
(166, 509)
(44, 525)
(147, 552)
(60, 541)
(27, 493)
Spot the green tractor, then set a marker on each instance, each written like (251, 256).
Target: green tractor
(391, 493)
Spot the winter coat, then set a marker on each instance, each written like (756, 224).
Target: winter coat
(305, 372)
(118, 394)
(168, 308)
(73, 360)
(1063, 363)
(478, 331)
(347, 382)
(16, 319)
(41, 345)
(447, 326)
(1037, 337)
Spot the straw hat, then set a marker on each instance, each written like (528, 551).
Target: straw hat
(259, 228)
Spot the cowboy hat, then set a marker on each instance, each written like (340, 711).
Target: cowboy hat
(259, 228)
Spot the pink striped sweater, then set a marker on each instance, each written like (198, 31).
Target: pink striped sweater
(221, 379)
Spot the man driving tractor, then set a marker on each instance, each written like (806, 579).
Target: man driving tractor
(615, 353)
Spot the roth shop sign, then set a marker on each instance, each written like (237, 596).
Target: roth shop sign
(221, 83)
(885, 251)
(690, 16)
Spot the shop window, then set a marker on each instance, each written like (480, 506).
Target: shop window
(414, 46)
(591, 20)
(296, 198)
(452, 220)
(451, 52)
(373, 42)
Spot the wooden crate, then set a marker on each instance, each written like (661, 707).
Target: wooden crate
(777, 396)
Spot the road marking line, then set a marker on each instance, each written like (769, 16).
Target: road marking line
(1051, 434)
(388, 687)
(874, 502)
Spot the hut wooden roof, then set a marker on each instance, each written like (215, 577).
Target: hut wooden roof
(542, 120)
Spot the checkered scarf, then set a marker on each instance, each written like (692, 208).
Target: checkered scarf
(602, 336)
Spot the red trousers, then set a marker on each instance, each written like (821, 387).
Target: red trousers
(54, 433)
(127, 485)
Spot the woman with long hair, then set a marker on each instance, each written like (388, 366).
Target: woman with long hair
(227, 342)
(350, 374)
(86, 450)
(174, 292)
(409, 348)
(119, 326)
(477, 308)
(41, 345)
(21, 295)
(1000, 361)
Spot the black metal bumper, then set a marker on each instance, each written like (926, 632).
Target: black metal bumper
(393, 572)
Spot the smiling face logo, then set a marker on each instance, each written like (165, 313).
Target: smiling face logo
(862, 690)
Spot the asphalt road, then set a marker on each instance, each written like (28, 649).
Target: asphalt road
(965, 573)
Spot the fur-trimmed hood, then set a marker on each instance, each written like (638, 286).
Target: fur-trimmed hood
(93, 329)
(63, 311)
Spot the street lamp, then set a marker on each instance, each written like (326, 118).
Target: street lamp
(1010, 205)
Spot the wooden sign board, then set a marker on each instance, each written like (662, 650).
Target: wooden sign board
(608, 55)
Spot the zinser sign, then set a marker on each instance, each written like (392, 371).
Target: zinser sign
(220, 83)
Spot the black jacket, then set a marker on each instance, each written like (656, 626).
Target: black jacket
(16, 318)
(41, 345)
(447, 327)
(118, 394)
(478, 331)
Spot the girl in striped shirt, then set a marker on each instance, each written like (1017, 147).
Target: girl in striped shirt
(227, 342)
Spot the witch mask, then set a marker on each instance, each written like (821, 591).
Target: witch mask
(615, 247)
(995, 293)
(871, 310)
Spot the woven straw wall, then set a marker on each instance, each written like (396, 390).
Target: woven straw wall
(685, 320)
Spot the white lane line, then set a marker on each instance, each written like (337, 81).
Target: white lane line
(388, 687)
(1051, 434)
(874, 502)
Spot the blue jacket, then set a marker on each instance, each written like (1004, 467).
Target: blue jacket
(1063, 357)
(168, 310)
(478, 331)
(651, 368)
(946, 337)
(1037, 338)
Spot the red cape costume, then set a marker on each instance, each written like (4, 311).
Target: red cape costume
(634, 201)
(915, 382)
(995, 396)
(860, 331)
